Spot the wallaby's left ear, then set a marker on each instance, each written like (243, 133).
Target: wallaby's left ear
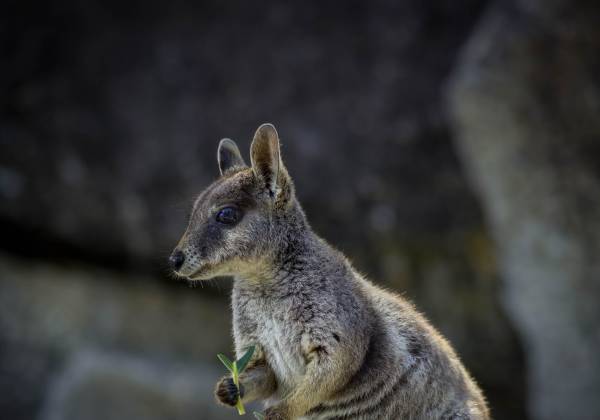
(229, 156)
(264, 154)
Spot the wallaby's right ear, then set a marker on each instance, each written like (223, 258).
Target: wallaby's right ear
(264, 153)
(229, 156)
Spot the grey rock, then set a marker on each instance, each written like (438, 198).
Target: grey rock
(99, 385)
(109, 126)
(69, 307)
(526, 99)
(76, 333)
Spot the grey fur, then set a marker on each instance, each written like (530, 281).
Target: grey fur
(330, 344)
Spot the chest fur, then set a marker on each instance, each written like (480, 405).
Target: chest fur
(275, 329)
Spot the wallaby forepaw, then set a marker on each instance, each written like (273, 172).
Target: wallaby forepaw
(227, 393)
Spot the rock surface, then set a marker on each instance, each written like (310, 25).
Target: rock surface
(110, 118)
(526, 98)
(100, 386)
(78, 342)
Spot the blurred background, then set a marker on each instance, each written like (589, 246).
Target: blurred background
(450, 148)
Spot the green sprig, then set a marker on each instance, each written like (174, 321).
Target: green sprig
(236, 367)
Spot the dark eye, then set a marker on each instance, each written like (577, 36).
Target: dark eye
(228, 215)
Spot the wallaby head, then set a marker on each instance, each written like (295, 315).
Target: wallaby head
(236, 222)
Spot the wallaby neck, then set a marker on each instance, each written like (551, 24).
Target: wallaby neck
(299, 256)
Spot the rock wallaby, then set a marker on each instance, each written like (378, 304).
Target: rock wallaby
(328, 343)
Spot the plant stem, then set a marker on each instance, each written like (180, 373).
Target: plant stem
(236, 380)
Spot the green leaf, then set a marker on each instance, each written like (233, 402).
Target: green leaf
(225, 360)
(243, 361)
(259, 416)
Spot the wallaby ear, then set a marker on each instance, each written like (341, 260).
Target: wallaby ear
(229, 156)
(264, 154)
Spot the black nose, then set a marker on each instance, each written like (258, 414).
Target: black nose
(176, 259)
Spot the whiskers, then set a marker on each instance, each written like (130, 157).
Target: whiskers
(214, 282)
